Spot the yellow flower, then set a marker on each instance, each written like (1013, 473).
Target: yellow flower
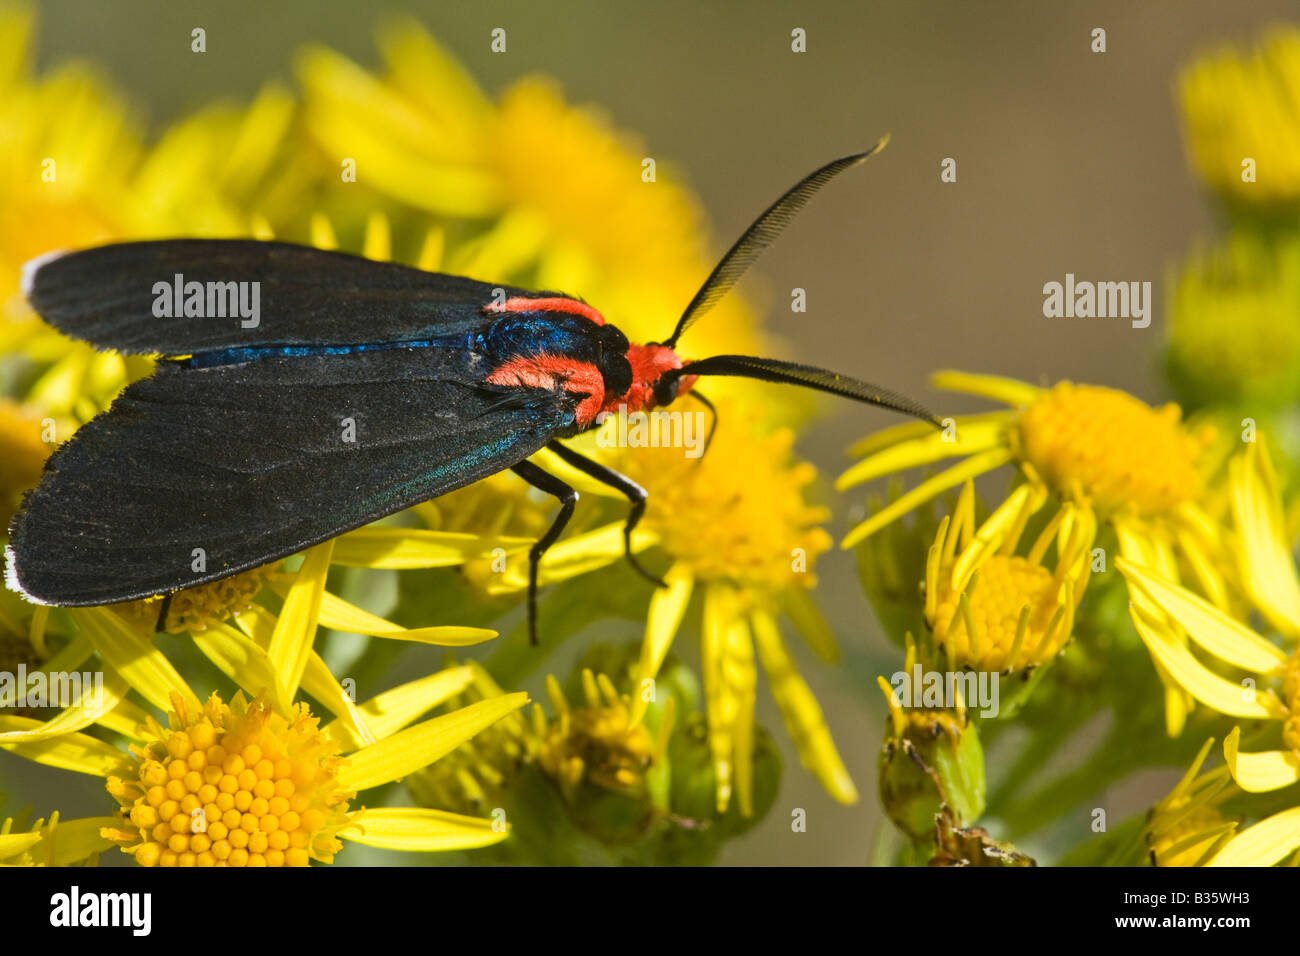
(560, 187)
(597, 742)
(734, 522)
(233, 784)
(1171, 620)
(1187, 828)
(1232, 334)
(1246, 106)
(76, 174)
(258, 758)
(1139, 469)
(993, 610)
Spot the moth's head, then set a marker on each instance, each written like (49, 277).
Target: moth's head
(655, 381)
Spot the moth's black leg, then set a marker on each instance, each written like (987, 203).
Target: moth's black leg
(713, 427)
(163, 611)
(634, 493)
(568, 498)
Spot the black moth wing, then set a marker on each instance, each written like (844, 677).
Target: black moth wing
(311, 297)
(249, 462)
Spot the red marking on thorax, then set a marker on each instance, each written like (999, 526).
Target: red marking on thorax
(557, 304)
(648, 363)
(555, 372)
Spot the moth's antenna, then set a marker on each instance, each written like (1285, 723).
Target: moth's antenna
(809, 376)
(761, 234)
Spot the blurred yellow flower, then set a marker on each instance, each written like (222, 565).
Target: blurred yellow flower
(1241, 118)
(527, 189)
(1232, 331)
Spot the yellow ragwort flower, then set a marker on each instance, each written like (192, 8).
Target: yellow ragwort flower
(566, 203)
(1138, 469)
(597, 742)
(991, 609)
(735, 522)
(1232, 333)
(1241, 118)
(232, 784)
(216, 785)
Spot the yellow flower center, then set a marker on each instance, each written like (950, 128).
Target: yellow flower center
(197, 609)
(737, 514)
(1005, 587)
(1106, 447)
(234, 785)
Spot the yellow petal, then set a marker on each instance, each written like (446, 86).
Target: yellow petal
(144, 666)
(1260, 772)
(743, 677)
(1225, 638)
(667, 608)
(295, 629)
(421, 831)
(1267, 842)
(392, 710)
(1269, 568)
(810, 624)
(897, 434)
(405, 548)
(802, 714)
(1206, 686)
(126, 719)
(1014, 393)
(340, 615)
(89, 708)
(71, 841)
(76, 751)
(317, 680)
(240, 658)
(408, 750)
(15, 844)
(970, 468)
(571, 557)
(968, 438)
(722, 705)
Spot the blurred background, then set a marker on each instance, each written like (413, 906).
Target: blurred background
(1067, 161)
